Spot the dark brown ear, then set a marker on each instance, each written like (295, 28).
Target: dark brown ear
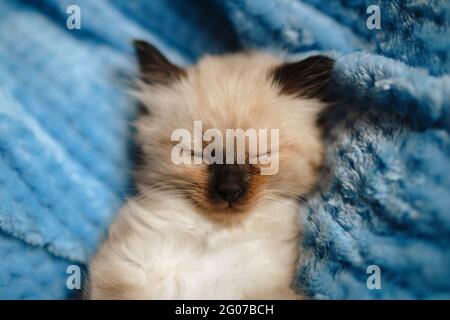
(154, 67)
(306, 78)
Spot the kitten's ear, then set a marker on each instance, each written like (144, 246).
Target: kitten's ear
(154, 67)
(305, 78)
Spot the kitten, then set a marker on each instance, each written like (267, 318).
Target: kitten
(216, 231)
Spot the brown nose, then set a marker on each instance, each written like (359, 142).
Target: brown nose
(229, 182)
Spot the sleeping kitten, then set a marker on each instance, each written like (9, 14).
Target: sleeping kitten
(212, 230)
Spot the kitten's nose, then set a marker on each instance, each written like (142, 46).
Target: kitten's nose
(229, 182)
(230, 189)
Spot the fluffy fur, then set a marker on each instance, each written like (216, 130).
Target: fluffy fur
(174, 241)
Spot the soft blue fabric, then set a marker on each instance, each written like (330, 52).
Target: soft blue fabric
(65, 153)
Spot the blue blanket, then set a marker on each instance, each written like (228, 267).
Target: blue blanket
(65, 137)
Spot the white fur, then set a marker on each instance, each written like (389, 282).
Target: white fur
(162, 248)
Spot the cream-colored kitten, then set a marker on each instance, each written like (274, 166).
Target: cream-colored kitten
(215, 231)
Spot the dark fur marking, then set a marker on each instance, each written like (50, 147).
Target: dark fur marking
(306, 78)
(154, 67)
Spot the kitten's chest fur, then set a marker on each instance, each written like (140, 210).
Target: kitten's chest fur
(164, 249)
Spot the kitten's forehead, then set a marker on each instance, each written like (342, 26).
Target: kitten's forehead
(233, 78)
(231, 91)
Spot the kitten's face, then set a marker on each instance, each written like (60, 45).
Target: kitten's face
(239, 91)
